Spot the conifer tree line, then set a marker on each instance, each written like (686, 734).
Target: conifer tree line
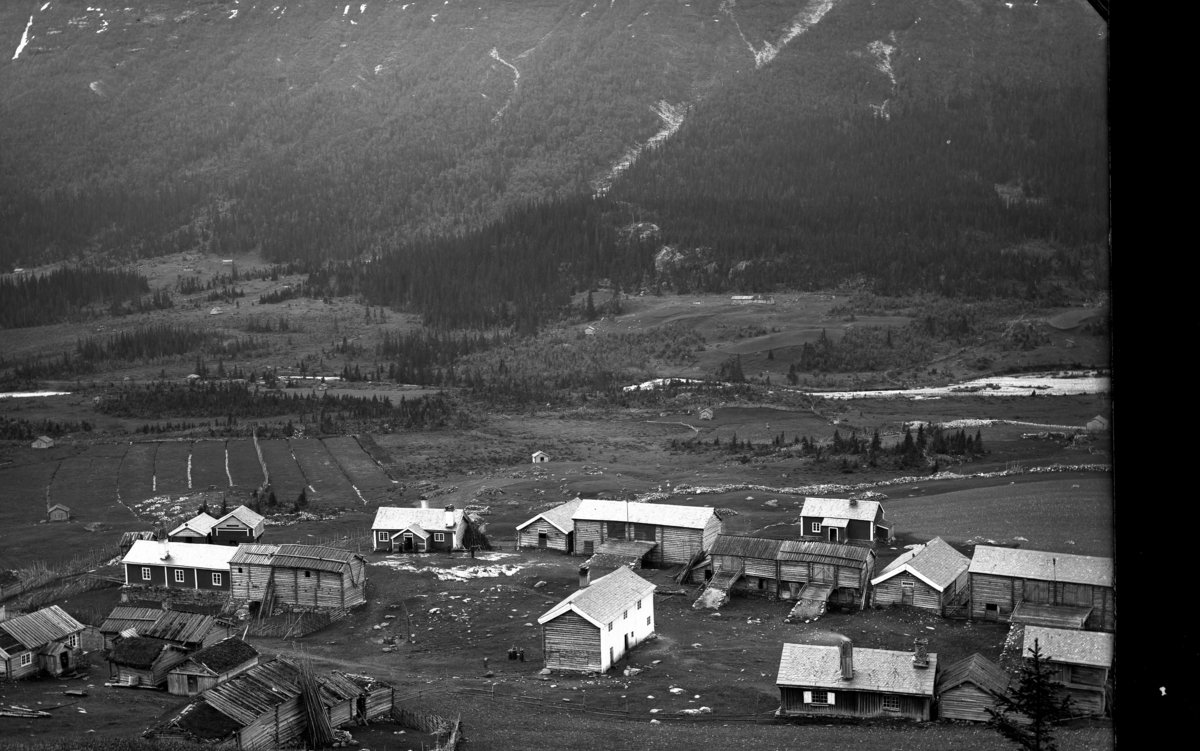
(64, 293)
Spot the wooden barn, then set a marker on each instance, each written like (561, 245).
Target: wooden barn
(540, 457)
(211, 666)
(1098, 424)
(706, 414)
(969, 688)
(177, 566)
(825, 572)
(191, 631)
(142, 661)
(43, 442)
(47, 640)
(930, 576)
(840, 520)
(418, 530)
(679, 532)
(240, 526)
(314, 576)
(58, 513)
(843, 681)
(198, 529)
(1042, 589)
(599, 624)
(250, 570)
(552, 529)
(1081, 660)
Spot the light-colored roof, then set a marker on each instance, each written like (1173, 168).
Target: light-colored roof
(185, 555)
(883, 670)
(832, 521)
(315, 557)
(201, 524)
(1039, 564)
(245, 515)
(839, 508)
(59, 505)
(1051, 616)
(392, 518)
(253, 554)
(559, 516)
(935, 563)
(41, 626)
(604, 599)
(691, 517)
(414, 529)
(1093, 648)
(179, 626)
(123, 617)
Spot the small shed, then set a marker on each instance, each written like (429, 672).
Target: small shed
(43, 442)
(142, 661)
(551, 529)
(215, 312)
(843, 681)
(1081, 660)
(58, 513)
(211, 666)
(706, 414)
(929, 576)
(540, 457)
(969, 688)
(598, 624)
(1097, 424)
(590, 331)
(198, 529)
(239, 526)
(315, 576)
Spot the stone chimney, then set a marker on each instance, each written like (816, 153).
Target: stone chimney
(853, 501)
(164, 550)
(450, 517)
(846, 650)
(584, 577)
(920, 653)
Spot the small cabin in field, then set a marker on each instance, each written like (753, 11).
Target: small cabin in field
(598, 624)
(706, 414)
(540, 457)
(1098, 424)
(816, 680)
(589, 331)
(177, 566)
(678, 532)
(59, 513)
(238, 527)
(929, 576)
(969, 688)
(418, 530)
(211, 666)
(1081, 661)
(1039, 588)
(142, 661)
(47, 640)
(214, 312)
(198, 529)
(551, 529)
(840, 520)
(43, 442)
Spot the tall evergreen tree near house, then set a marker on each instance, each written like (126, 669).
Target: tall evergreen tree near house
(1036, 698)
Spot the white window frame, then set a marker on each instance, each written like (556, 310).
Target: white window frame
(816, 528)
(145, 573)
(439, 536)
(824, 697)
(647, 620)
(73, 640)
(26, 659)
(179, 576)
(891, 703)
(625, 615)
(381, 536)
(909, 583)
(216, 579)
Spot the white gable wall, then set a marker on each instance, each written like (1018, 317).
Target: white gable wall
(638, 626)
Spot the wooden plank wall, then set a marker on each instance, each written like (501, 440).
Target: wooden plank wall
(891, 592)
(555, 540)
(678, 545)
(854, 704)
(966, 701)
(571, 643)
(586, 531)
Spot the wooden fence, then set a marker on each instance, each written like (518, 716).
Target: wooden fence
(295, 625)
(41, 573)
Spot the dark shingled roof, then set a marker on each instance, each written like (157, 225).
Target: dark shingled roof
(206, 723)
(978, 670)
(224, 655)
(136, 651)
(746, 547)
(316, 557)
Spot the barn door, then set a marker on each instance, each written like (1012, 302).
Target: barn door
(541, 539)
(906, 593)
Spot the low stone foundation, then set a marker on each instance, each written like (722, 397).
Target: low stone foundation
(169, 596)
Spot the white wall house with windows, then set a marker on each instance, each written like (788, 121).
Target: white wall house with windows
(598, 625)
(418, 530)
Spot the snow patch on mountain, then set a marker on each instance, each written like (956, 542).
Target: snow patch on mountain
(24, 39)
(671, 117)
(804, 20)
(882, 52)
(495, 55)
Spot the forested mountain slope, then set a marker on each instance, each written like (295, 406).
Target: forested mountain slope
(489, 156)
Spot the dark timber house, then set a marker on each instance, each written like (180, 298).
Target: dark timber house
(677, 532)
(127, 620)
(211, 666)
(931, 576)
(844, 681)
(1043, 589)
(792, 569)
(551, 529)
(598, 624)
(838, 520)
(969, 688)
(1081, 660)
(142, 661)
(177, 566)
(46, 640)
(190, 631)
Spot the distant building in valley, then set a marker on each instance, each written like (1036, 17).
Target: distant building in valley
(43, 442)
(1098, 424)
(540, 457)
(59, 513)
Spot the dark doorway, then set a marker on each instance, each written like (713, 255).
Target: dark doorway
(906, 593)
(408, 543)
(570, 542)
(542, 540)
(64, 659)
(626, 643)
(193, 685)
(991, 612)
(833, 537)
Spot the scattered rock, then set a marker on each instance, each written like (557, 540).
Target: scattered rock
(488, 674)
(655, 711)
(544, 671)
(655, 662)
(652, 722)
(698, 645)
(632, 671)
(539, 585)
(677, 690)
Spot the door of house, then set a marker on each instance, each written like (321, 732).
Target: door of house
(65, 660)
(193, 685)
(833, 535)
(541, 539)
(408, 543)
(991, 612)
(626, 642)
(906, 593)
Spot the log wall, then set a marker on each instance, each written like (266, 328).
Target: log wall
(571, 643)
(891, 592)
(966, 701)
(853, 704)
(555, 539)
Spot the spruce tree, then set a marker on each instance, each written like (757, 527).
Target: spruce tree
(1036, 699)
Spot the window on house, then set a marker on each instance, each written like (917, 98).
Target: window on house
(382, 536)
(439, 536)
(625, 615)
(307, 574)
(643, 532)
(639, 605)
(146, 573)
(616, 530)
(73, 641)
(239, 569)
(762, 583)
(647, 620)
(610, 627)
(891, 703)
(820, 697)
(907, 583)
(216, 580)
(816, 527)
(26, 659)
(179, 575)
(587, 546)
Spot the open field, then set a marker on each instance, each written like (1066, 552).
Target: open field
(324, 476)
(286, 478)
(361, 470)
(244, 466)
(208, 465)
(137, 472)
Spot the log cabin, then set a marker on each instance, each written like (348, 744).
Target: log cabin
(418, 530)
(43, 442)
(969, 688)
(849, 521)
(192, 631)
(930, 576)
(240, 526)
(315, 576)
(249, 571)
(1043, 589)
(44, 641)
(177, 566)
(211, 666)
(1081, 661)
(679, 532)
(818, 680)
(58, 513)
(598, 624)
(198, 529)
(551, 529)
(142, 661)
(539, 457)
(837, 573)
